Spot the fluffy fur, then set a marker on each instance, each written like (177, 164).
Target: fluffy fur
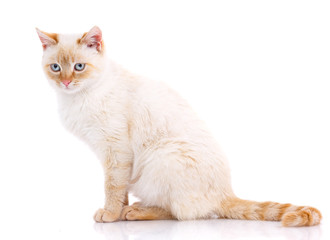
(149, 141)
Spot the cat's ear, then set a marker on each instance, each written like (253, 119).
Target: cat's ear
(93, 38)
(47, 39)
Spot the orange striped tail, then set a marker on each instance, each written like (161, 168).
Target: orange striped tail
(288, 214)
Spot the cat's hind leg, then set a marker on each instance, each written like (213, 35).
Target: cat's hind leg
(181, 177)
(139, 212)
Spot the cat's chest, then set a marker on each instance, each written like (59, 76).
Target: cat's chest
(76, 119)
(91, 123)
(101, 123)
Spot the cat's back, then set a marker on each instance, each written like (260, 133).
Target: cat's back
(159, 113)
(161, 103)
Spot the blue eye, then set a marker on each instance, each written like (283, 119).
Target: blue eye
(79, 66)
(55, 67)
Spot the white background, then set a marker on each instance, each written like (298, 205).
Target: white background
(256, 71)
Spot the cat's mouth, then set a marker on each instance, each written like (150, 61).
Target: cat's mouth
(68, 87)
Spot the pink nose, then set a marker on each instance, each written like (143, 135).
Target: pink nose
(66, 82)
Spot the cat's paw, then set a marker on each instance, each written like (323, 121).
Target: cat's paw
(129, 213)
(104, 216)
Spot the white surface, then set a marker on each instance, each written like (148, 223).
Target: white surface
(256, 71)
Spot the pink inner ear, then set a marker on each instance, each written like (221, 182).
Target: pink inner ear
(94, 38)
(95, 41)
(97, 45)
(45, 43)
(47, 39)
(98, 37)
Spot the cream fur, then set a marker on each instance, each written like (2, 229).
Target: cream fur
(147, 137)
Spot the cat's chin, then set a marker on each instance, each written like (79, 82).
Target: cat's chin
(71, 90)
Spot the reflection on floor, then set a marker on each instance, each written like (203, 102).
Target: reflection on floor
(204, 229)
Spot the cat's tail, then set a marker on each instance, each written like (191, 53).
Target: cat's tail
(288, 214)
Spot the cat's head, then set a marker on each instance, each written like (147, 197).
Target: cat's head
(73, 62)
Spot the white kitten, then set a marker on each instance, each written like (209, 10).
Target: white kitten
(148, 139)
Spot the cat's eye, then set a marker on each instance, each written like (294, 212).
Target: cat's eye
(55, 67)
(79, 66)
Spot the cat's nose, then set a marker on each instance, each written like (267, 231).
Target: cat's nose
(66, 82)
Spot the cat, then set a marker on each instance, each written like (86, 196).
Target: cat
(148, 139)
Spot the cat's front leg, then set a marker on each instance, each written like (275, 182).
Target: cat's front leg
(116, 182)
